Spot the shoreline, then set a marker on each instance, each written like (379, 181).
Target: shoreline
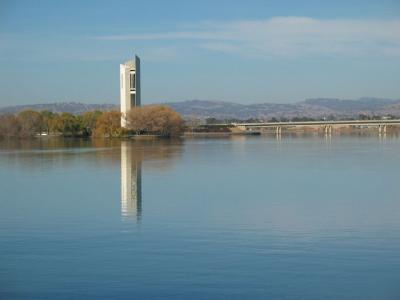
(192, 135)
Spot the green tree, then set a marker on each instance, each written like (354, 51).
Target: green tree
(364, 116)
(47, 120)
(88, 121)
(67, 124)
(273, 120)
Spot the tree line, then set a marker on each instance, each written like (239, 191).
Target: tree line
(154, 119)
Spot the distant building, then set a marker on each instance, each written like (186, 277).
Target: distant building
(129, 86)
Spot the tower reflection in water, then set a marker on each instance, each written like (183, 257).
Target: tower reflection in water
(159, 156)
(131, 183)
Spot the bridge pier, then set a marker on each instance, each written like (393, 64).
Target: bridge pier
(328, 129)
(278, 131)
(382, 130)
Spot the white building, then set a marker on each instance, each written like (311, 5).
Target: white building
(129, 87)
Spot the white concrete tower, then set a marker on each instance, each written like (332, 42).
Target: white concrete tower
(129, 87)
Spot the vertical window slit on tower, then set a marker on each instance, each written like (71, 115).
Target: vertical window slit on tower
(132, 81)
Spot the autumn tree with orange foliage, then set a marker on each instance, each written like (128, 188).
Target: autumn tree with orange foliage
(108, 124)
(155, 119)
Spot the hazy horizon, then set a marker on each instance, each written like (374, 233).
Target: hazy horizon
(266, 52)
(188, 100)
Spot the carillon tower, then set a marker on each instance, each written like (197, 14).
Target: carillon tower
(129, 86)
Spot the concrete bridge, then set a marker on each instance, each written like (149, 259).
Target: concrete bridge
(326, 126)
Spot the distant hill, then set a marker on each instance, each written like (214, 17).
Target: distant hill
(71, 107)
(311, 108)
(346, 106)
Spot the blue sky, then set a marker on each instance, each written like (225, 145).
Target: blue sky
(241, 51)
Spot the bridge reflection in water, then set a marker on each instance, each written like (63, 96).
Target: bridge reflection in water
(131, 183)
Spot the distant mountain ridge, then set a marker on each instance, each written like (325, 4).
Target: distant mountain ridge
(70, 107)
(311, 108)
(352, 105)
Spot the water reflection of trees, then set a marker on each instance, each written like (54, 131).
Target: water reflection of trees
(37, 153)
(47, 153)
(43, 154)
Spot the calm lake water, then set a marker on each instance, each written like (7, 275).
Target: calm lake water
(232, 218)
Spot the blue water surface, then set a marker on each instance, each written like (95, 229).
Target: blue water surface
(305, 217)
